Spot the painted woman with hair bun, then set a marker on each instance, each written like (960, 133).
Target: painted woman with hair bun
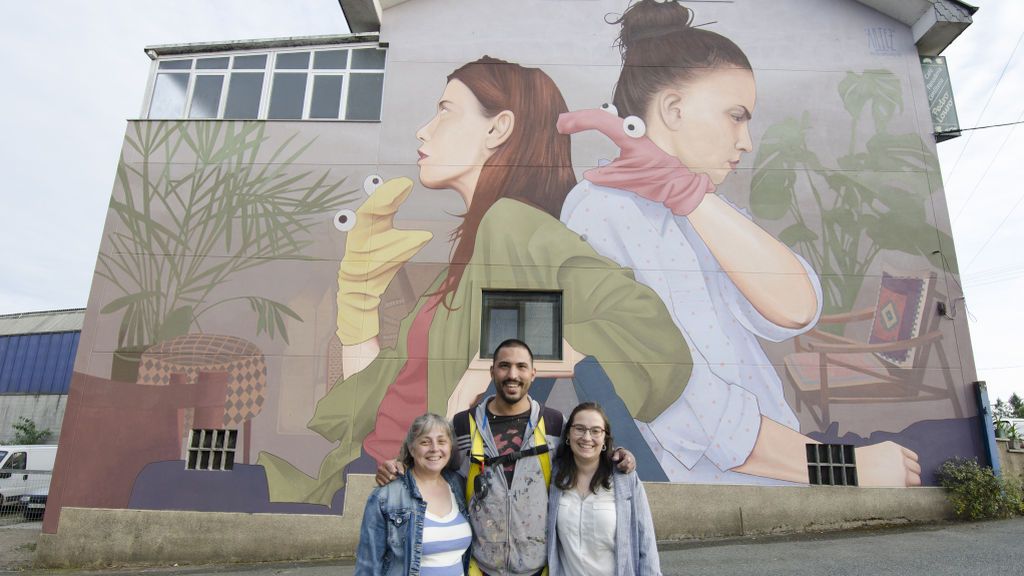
(493, 141)
(682, 107)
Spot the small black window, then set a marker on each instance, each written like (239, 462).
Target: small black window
(533, 317)
(211, 449)
(831, 465)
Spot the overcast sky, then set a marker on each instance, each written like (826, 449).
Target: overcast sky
(74, 71)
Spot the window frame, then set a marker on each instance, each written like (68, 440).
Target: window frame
(269, 72)
(522, 298)
(224, 454)
(17, 461)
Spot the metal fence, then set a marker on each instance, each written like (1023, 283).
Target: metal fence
(24, 494)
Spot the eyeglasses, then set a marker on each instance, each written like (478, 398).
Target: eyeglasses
(580, 431)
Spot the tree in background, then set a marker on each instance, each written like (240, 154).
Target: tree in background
(1016, 406)
(1001, 410)
(26, 432)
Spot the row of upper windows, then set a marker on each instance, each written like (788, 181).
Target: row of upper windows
(323, 84)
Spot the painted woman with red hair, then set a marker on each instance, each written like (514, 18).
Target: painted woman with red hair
(492, 140)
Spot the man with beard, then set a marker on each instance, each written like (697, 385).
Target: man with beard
(506, 442)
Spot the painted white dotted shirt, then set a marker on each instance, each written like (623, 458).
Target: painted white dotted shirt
(711, 428)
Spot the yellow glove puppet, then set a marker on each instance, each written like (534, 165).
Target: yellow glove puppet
(374, 252)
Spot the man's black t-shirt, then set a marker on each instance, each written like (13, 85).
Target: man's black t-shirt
(508, 431)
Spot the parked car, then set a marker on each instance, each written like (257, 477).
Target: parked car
(23, 470)
(33, 503)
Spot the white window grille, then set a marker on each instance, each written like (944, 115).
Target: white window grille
(330, 83)
(211, 449)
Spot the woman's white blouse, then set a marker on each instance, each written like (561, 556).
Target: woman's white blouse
(586, 532)
(712, 427)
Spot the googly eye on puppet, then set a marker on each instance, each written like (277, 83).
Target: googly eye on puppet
(634, 127)
(610, 108)
(371, 183)
(344, 219)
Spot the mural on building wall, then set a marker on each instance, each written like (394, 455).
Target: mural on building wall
(513, 169)
(720, 343)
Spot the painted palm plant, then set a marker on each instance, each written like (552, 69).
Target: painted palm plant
(874, 198)
(202, 205)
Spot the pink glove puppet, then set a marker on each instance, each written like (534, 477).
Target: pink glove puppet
(642, 167)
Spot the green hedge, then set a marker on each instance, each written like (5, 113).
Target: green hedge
(976, 493)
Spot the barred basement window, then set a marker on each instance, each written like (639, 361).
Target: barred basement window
(211, 449)
(831, 465)
(533, 317)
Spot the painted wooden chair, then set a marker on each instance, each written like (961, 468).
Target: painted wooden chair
(890, 367)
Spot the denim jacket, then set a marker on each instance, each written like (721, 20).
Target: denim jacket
(391, 537)
(636, 548)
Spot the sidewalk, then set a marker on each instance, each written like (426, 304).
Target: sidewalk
(18, 544)
(984, 548)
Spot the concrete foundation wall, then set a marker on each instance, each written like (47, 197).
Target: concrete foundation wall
(46, 410)
(1011, 462)
(97, 537)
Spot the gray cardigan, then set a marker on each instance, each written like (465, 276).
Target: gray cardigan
(636, 550)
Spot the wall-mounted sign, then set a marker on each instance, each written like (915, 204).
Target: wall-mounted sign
(940, 97)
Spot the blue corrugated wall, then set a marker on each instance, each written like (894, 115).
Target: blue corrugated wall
(37, 363)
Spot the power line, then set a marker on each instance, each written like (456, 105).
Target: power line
(995, 277)
(1019, 120)
(991, 161)
(992, 235)
(987, 102)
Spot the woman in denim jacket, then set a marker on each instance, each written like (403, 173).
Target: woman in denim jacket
(417, 525)
(599, 521)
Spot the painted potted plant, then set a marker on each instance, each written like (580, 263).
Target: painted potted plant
(203, 189)
(868, 200)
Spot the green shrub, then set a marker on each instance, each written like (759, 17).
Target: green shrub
(26, 432)
(1015, 494)
(977, 493)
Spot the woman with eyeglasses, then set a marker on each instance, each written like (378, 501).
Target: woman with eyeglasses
(599, 522)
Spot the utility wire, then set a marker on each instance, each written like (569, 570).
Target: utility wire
(991, 161)
(1019, 120)
(987, 102)
(992, 235)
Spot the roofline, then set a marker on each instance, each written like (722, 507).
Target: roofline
(160, 50)
(41, 313)
(932, 33)
(363, 15)
(969, 7)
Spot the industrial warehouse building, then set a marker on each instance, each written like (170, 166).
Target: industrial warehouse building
(37, 352)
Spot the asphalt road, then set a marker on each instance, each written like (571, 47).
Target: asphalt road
(977, 549)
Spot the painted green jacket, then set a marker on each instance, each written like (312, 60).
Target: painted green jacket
(605, 313)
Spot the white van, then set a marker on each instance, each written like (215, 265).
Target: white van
(24, 469)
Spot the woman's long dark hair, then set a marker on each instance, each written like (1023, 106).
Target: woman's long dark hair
(533, 166)
(661, 48)
(566, 477)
